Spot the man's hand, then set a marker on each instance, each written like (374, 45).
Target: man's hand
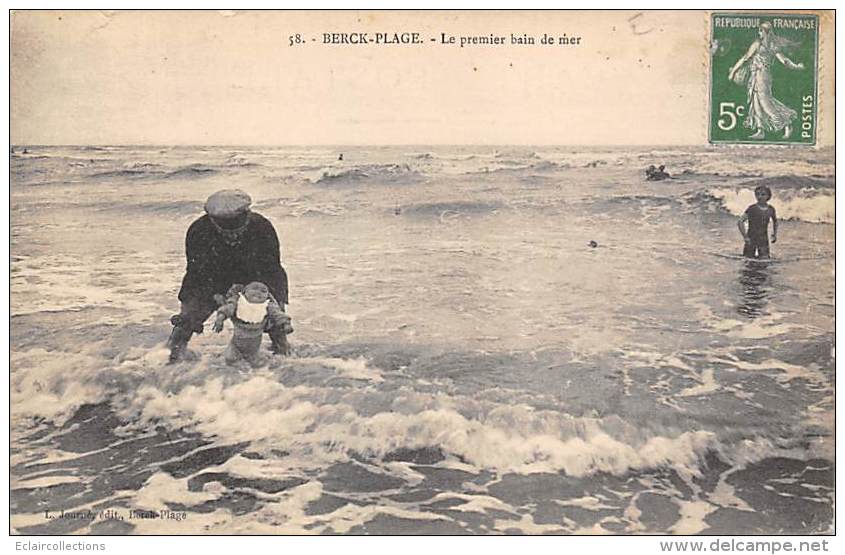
(774, 238)
(747, 240)
(218, 326)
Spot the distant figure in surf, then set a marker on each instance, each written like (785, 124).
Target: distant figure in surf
(340, 158)
(757, 217)
(252, 310)
(228, 245)
(657, 174)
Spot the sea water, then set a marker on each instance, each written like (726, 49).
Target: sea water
(463, 361)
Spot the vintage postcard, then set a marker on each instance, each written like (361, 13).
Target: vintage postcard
(422, 272)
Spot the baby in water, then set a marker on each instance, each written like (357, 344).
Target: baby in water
(253, 310)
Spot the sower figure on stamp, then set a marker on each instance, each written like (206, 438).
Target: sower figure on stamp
(765, 112)
(229, 244)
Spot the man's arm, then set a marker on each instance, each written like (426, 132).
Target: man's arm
(196, 246)
(197, 280)
(268, 266)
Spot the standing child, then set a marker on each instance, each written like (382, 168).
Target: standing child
(757, 216)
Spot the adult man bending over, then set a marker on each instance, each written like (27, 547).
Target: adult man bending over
(229, 244)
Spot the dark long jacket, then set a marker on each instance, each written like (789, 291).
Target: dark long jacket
(214, 265)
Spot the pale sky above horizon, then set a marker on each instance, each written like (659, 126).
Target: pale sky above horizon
(212, 77)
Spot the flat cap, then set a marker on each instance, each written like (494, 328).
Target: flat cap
(227, 203)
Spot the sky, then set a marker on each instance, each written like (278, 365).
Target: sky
(233, 78)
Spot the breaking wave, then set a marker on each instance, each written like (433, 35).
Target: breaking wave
(131, 172)
(453, 208)
(515, 155)
(394, 173)
(805, 199)
(141, 170)
(192, 171)
(320, 423)
(238, 160)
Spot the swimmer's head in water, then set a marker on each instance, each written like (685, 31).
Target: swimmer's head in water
(256, 292)
(593, 244)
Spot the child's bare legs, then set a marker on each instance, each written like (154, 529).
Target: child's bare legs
(231, 354)
(245, 345)
(256, 360)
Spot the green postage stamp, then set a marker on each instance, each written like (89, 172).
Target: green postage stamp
(763, 80)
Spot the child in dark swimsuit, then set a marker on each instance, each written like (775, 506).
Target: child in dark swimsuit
(757, 217)
(253, 310)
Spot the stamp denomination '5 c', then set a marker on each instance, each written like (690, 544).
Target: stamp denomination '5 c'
(763, 80)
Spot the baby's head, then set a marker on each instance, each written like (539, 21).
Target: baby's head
(256, 292)
(763, 193)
